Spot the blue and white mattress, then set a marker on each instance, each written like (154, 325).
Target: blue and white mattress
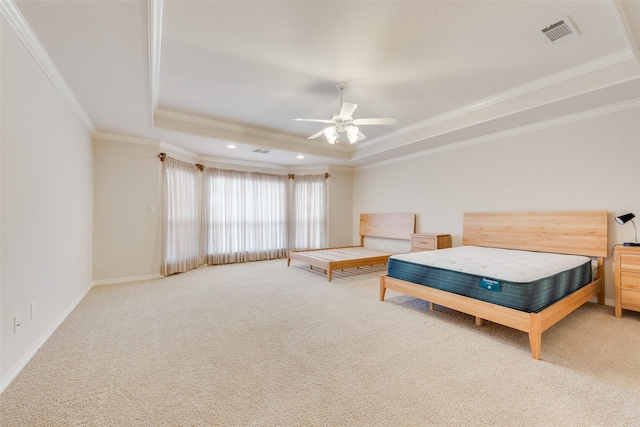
(522, 280)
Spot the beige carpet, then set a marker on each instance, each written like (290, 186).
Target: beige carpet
(260, 344)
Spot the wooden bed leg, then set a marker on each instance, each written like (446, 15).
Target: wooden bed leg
(330, 274)
(432, 306)
(478, 321)
(535, 335)
(601, 276)
(383, 290)
(288, 262)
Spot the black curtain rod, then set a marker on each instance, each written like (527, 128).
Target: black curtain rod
(163, 156)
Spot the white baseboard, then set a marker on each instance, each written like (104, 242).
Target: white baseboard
(126, 279)
(13, 373)
(607, 302)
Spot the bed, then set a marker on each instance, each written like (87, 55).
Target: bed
(581, 233)
(389, 226)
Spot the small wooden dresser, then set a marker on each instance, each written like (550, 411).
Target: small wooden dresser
(429, 242)
(627, 278)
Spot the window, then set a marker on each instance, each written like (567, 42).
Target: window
(309, 212)
(179, 217)
(245, 216)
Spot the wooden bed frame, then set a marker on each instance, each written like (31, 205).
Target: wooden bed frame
(578, 233)
(391, 226)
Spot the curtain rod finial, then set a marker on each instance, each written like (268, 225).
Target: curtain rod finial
(162, 156)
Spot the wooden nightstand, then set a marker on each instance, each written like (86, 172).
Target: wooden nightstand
(627, 274)
(429, 242)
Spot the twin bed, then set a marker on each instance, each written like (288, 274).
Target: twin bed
(524, 270)
(390, 226)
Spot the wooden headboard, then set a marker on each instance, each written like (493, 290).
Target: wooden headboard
(577, 232)
(391, 226)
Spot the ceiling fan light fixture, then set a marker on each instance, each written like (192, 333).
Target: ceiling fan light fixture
(352, 133)
(343, 122)
(331, 134)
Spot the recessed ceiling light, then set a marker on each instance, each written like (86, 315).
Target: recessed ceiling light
(231, 146)
(300, 156)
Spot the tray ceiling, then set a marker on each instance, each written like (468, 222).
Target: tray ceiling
(202, 75)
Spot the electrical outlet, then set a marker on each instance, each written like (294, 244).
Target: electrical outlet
(16, 323)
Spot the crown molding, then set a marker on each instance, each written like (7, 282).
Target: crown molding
(223, 131)
(14, 17)
(126, 138)
(540, 84)
(342, 168)
(309, 169)
(170, 147)
(211, 123)
(621, 17)
(227, 161)
(162, 145)
(288, 169)
(570, 118)
(246, 163)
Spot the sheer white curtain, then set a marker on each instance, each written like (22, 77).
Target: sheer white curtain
(309, 212)
(180, 246)
(244, 216)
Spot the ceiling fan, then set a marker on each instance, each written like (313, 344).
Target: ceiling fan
(343, 122)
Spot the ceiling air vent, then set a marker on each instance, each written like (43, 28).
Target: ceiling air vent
(261, 150)
(561, 31)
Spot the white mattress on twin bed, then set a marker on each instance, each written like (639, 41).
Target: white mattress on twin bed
(503, 264)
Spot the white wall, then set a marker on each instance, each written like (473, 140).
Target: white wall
(126, 235)
(591, 164)
(340, 209)
(46, 206)
(127, 179)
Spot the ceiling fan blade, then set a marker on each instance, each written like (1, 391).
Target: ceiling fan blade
(347, 109)
(378, 121)
(313, 120)
(315, 135)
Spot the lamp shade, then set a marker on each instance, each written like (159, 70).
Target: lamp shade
(352, 133)
(331, 134)
(624, 218)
